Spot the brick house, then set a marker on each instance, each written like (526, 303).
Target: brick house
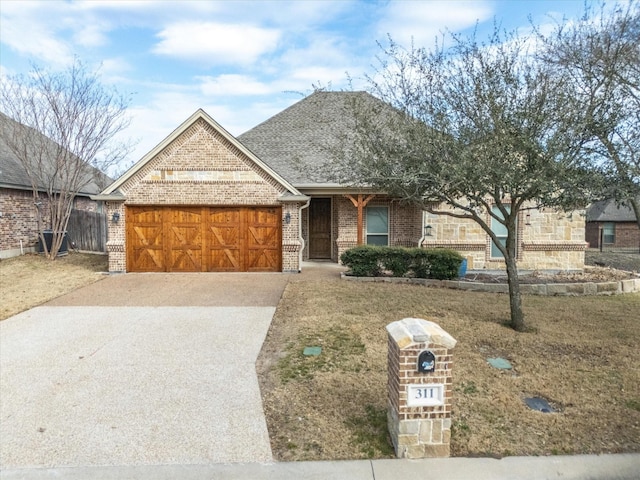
(18, 208)
(613, 225)
(203, 200)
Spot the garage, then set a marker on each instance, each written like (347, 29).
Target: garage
(203, 239)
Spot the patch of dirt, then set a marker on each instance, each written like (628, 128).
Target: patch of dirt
(30, 280)
(580, 354)
(629, 262)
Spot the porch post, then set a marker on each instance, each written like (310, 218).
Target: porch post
(360, 203)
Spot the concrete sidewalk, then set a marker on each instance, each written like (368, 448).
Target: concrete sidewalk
(579, 467)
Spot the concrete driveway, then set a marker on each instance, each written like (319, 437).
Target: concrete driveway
(138, 369)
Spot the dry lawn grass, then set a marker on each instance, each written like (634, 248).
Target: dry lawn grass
(581, 354)
(30, 280)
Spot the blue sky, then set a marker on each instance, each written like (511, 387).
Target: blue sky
(241, 61)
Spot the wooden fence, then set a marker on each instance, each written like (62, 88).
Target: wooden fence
(87, 231)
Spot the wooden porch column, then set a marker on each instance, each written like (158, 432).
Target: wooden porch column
(360, 203)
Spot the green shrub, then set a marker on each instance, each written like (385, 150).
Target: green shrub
(369, 261)
(363, 261)
(420, 264)
(445, 263)
(397, 260)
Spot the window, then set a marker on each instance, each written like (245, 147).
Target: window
(377, 226)
(500, 231)
(608, 233)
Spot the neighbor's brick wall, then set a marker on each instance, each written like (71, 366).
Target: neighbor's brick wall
(547, 240)
(19, 219)
(216, 173)
(627, 235)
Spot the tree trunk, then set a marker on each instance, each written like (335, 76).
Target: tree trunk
(635, 205)
(515, 300)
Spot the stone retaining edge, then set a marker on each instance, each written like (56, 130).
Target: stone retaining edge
(551, 289)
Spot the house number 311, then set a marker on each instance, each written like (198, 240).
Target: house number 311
(424, 395)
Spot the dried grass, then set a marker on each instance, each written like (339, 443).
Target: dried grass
(30, 280)
(581, 354)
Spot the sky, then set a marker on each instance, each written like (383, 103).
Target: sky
(240, 61)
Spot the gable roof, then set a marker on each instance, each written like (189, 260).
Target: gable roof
(297, 140)
(13, 174)
(609, 211)
(199, 114)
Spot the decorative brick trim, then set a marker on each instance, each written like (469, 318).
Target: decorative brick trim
(200, 182)
(291, 247)
(455, 245)
(554, 246)
(115, 248)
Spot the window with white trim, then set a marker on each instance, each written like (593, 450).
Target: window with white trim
(377, 225)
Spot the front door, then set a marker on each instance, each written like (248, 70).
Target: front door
(320, 228)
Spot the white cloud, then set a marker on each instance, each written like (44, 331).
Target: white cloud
(233, 84)
(25, 33)
(214, 43)
(425, 21)
(92, 35)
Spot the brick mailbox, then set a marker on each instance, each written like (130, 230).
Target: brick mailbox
(420, 388)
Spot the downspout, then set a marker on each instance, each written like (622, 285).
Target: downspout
(302, 243)
(423, 237)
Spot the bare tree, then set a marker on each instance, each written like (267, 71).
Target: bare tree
(475, 134)
(598, 59)
(62, 127)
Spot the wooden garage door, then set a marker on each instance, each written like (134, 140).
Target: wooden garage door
(204, 239)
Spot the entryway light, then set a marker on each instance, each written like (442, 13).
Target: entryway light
(287, 218)
(427, 230)
(115, 218)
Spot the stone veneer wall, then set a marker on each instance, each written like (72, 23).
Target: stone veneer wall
(214, 172)
(547, 240)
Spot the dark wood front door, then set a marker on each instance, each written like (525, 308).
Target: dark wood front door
(204, 239)
(320, 228)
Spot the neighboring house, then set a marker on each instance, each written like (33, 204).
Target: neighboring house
(610, 225)
(18, 214)
(203, 200)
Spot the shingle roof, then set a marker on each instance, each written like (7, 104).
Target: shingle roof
(609, 211)
(297, 140)
(13, 173)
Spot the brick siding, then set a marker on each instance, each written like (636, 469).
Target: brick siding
(627, 235)
(18, 219)
(201, 167)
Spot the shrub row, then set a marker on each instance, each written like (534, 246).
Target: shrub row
(371, 261)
